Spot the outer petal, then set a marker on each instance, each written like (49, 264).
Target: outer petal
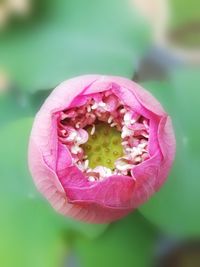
(44, 132)
(167, 143)
(114, 192)
(144, 97)
(152, 173)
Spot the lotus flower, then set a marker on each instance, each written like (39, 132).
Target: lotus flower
(100, 146)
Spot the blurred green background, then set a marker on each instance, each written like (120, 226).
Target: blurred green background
(45, 42)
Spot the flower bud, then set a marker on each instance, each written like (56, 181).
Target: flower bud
(100, 146)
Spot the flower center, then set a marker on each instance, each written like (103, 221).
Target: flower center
(104, 146)
(104, 136)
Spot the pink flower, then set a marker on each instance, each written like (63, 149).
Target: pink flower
(65, 172)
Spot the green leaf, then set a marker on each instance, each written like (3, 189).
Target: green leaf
(31, 233)
(90, 231)
(15, 177)
(14, 105)
(70, 38)
(175, 208)
(184, 23)
(184, 13)
(127, 242)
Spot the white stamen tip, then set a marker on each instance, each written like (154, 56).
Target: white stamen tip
(113, 124)
(72, 136)
(77, 125)
(93, 130)
(126, 132)
(142, 145)
(102, 104)
(145, 134)
(110, 119)
(138, 159)
(124, 143)
(78, 139)
(86, 164)
(122, 111)
(88, 108)
(91, 179)
(122, 165)
(94, 106)
(75, 149)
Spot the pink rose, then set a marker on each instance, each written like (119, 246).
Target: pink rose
(72, 177)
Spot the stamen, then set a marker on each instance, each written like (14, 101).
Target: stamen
(122, 165)
(113, 124)
(78, 139)
(126, 132)
(91, 179)
(98, 114)
(72, 136)
(138, 159)
(94, 106)
(102, 104)
(63, 133)
(124, 143)
(86, 164)
(145, 134)
(142, 145)
(89, 108)
(75, 149)
(93, 129)
(127, 118)
(122, 111)
(110, 119)
(77, 125)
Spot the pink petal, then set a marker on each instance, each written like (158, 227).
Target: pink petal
(111, 102)
(115, 191)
